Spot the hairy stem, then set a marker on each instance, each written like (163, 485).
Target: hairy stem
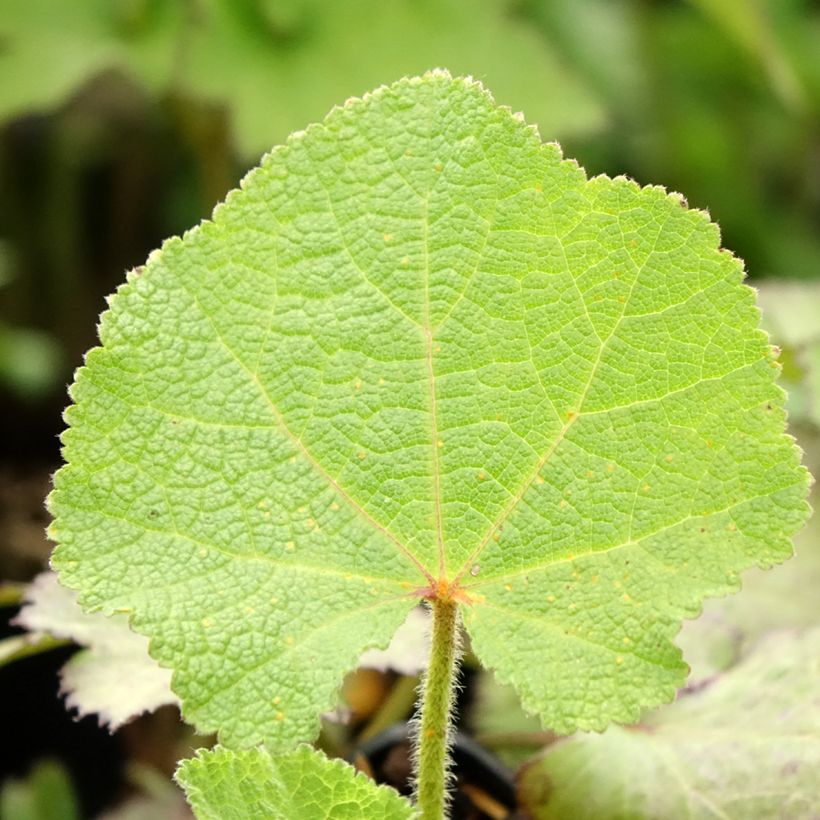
(436, 713)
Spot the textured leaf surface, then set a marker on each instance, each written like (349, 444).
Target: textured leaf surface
(114, 677)
(302, 785)
(418, 352)
(748, 746)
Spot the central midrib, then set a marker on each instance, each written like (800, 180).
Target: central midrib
(431, 383)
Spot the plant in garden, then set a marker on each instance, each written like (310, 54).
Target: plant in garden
(420, 356)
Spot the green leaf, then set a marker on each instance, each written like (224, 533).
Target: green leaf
(419, 354)
(790, 311)
(302, 785)
(114, 677)
(274, 66)
(45, 794)
(746, 746)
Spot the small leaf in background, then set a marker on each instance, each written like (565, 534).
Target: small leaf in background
(791, 313)
(114, 677)
(409, 650)
(419, 353)
(274, 66)
(45, 794)
(302, 785)
(745, 746)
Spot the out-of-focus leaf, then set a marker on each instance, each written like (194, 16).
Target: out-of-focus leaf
(115, 677)
(746, 746)
(791, 313)
(500, 722)
(409, 649)
(277, 66)
(46, 794)
(29, 360)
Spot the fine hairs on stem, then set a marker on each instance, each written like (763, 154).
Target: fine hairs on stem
(432, 727)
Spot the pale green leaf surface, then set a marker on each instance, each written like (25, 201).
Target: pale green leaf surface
(783, 598)
(114, 677)
(301, 785)
(747, 746)
(419, 346)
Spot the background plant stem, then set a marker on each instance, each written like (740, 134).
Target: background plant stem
(436, 713)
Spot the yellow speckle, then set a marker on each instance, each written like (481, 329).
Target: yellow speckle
(508, 587)
(572, 606)
(362, 455)
(708, 442)
(406, 585)
(616, 274)
(439, 167)
(439, 443)
(610, 468)
(290, 546)
(311, 522)
(646, 488)
(249, 610)
(539, 479)
(206, 622)
(551, 598)
(589, 473)
(280, 715)
(123, 610)
(626, 641)
(203, 552)
(616, 584)
(289, 640)
(626, 597)
(619, 660)
(496, 536)
(274, 599)
(334, 506)
(302, 509)
(405, 261)
(262, 504)
(408, 152)
(594, 579)
(732, 526)
(539, 187)
(562, 503)
(571, 415)
(438, 348)
(669, 457)
(357, 385)
(387, 237)
(277, 700)
(621, 299)
(381, 381)
(482, 475)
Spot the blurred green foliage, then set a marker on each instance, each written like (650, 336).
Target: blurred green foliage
(46, 794)
(122, 121)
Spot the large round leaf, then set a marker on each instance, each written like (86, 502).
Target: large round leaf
(420, 354)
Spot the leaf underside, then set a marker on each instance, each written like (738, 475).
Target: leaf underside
(746, 746)
(416, 352)
(302, 785)
(114, 677)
